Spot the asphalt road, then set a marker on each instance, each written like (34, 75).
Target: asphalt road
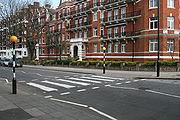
(115, 98)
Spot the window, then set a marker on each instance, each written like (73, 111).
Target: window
(85, 20)
(40, 41)
(123, 31)
(95, 32)
(85, 6)
(63, 12)
(170, 45)
(116, 32)
(170, 23)
(152, 3)
(80, 22)
(109, 32)
(63, 37)
(95, 16)
(25, 53)
(102, 32)
(153, 23)
(76, 22)
(68, 36)
(109, 15)
(63, 26)
(59, 27)
(95, 47)
(63, 50)
(123, 48)
(59, 40)
(76, 35)
(95, 2)
(170, 3)
(43, 30)
(67, 49)
(153, 45)
(68, 24)
(68, 11)
(43, 40)
(116, 47)
(116, 14)
(43, 51)
(80, 7)
(101, 16)
(76, 8)
(102, 2)
(85, 34)
(109, 47)
(59, 15)
(80, 34)
(123, 12)
(101, 47)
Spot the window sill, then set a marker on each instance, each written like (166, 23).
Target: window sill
(152, 8)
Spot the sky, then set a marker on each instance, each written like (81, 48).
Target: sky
(55, 3)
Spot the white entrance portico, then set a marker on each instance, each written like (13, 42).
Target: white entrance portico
(78, 48)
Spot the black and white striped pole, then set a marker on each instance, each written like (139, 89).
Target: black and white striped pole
(104, 64)
(13, 39)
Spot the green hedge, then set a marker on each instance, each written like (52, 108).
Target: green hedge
(150, 63)
(168, 63)
(130, 63)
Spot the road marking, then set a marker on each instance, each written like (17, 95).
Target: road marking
(92, 81)
(135, 80)
(128, 82)
(107, 85)
(66, 93)
(48, 96)
(79, 83)
(48, 89)
(82, 90)
(7, 81)
(107, 77)
(127, 88)
(38, 74)
(161, 93)
(68, 102)
(118, 83)
(58, 84)
(98, 79)
(95, 88)
(85, 106)
(103, 114)
(21, 81)
(23, 72)
(34, 80)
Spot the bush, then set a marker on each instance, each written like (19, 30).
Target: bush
(168, 63)
(74, 62)
(66, 62)
(115, 63)
(151, 63)
(83, 62)
(130, 63)
(93, 62)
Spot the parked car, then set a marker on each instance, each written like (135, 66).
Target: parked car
(17, 63)
(6, 62)
(1, 62)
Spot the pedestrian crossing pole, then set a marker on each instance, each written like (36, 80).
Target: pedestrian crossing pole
(13, 39)
(104, 65)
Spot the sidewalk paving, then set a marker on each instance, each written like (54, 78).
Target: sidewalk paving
(26, 106)
(113, 73)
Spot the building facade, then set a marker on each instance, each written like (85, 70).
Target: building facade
(127, 28)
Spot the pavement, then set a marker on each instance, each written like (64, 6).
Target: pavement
(30, 106)
(113, 73)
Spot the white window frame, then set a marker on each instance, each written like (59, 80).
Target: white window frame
(95, 31)
(123, 30)
(154, 22)
(95, 47)
(116, 14)
(170, 45)
(63, 24)
(101, 32)
(63, 37)
(123, 12)
(68, 50)
(153, 4)
(123, 47)
(68, 11)
(170, 3)
(95, 16)
(170, 23)
(85, 34)
(110, 48)
(116, 47)
(80, 34)
(115, 32)
(76, 34)
(109, 15)
(153, 45)
(109, 32)
(101, 47)
(101, 16)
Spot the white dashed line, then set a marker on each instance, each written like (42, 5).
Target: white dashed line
(81, 90)
(48, 96)
(95, 88)
(66, 93)
(135, 80)
(118, 83)
(128, 82)
(34, 80)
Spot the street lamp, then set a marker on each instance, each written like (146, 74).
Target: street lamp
(13, 39)
(104, 65)
(158, 60)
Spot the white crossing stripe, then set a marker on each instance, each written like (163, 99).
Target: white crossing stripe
(128, 82)
(95, 88)
(98, 79)
(106, 77)
(66, 93)
(118, 83)
(74, 82)
(92, 81)
(81, 90)
(58, 84)
(135, 80)
(48, 89)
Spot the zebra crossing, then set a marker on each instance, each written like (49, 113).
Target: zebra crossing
(75, 82)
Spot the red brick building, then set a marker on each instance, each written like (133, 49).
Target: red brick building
(127, 28)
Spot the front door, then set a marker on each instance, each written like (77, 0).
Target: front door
(75, 51)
